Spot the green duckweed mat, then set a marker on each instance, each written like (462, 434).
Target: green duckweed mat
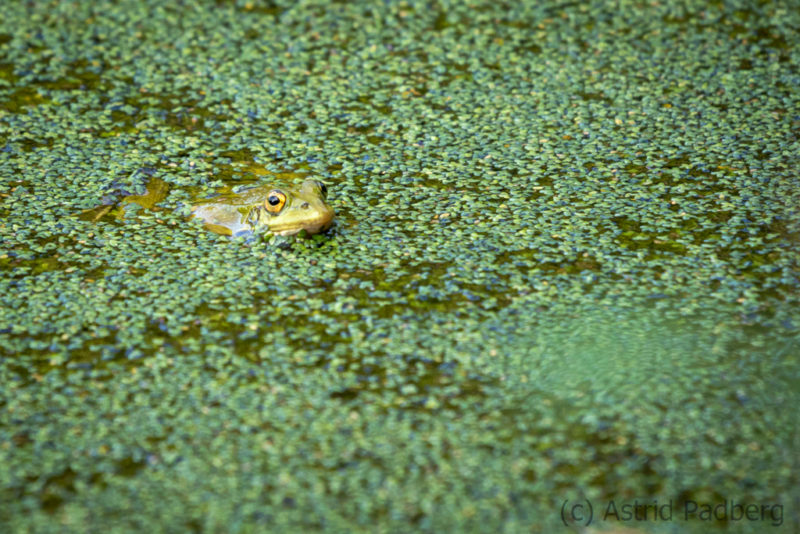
(564, 268)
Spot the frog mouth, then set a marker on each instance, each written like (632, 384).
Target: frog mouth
(312, 227)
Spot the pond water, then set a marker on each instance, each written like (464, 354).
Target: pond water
(563, 268)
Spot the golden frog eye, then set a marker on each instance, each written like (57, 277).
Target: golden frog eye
(275, 201)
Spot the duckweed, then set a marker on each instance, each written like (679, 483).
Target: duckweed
(564, 264)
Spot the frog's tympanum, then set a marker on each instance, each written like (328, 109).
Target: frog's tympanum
(268, 209)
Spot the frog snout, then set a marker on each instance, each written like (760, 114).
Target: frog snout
(304, 205)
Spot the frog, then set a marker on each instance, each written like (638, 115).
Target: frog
(282, 210)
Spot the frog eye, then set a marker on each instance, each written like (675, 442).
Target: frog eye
(275, 201)
(322, 189)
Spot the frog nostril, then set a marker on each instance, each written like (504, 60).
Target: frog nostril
(304, 205)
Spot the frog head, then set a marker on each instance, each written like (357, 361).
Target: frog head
(289, 211)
